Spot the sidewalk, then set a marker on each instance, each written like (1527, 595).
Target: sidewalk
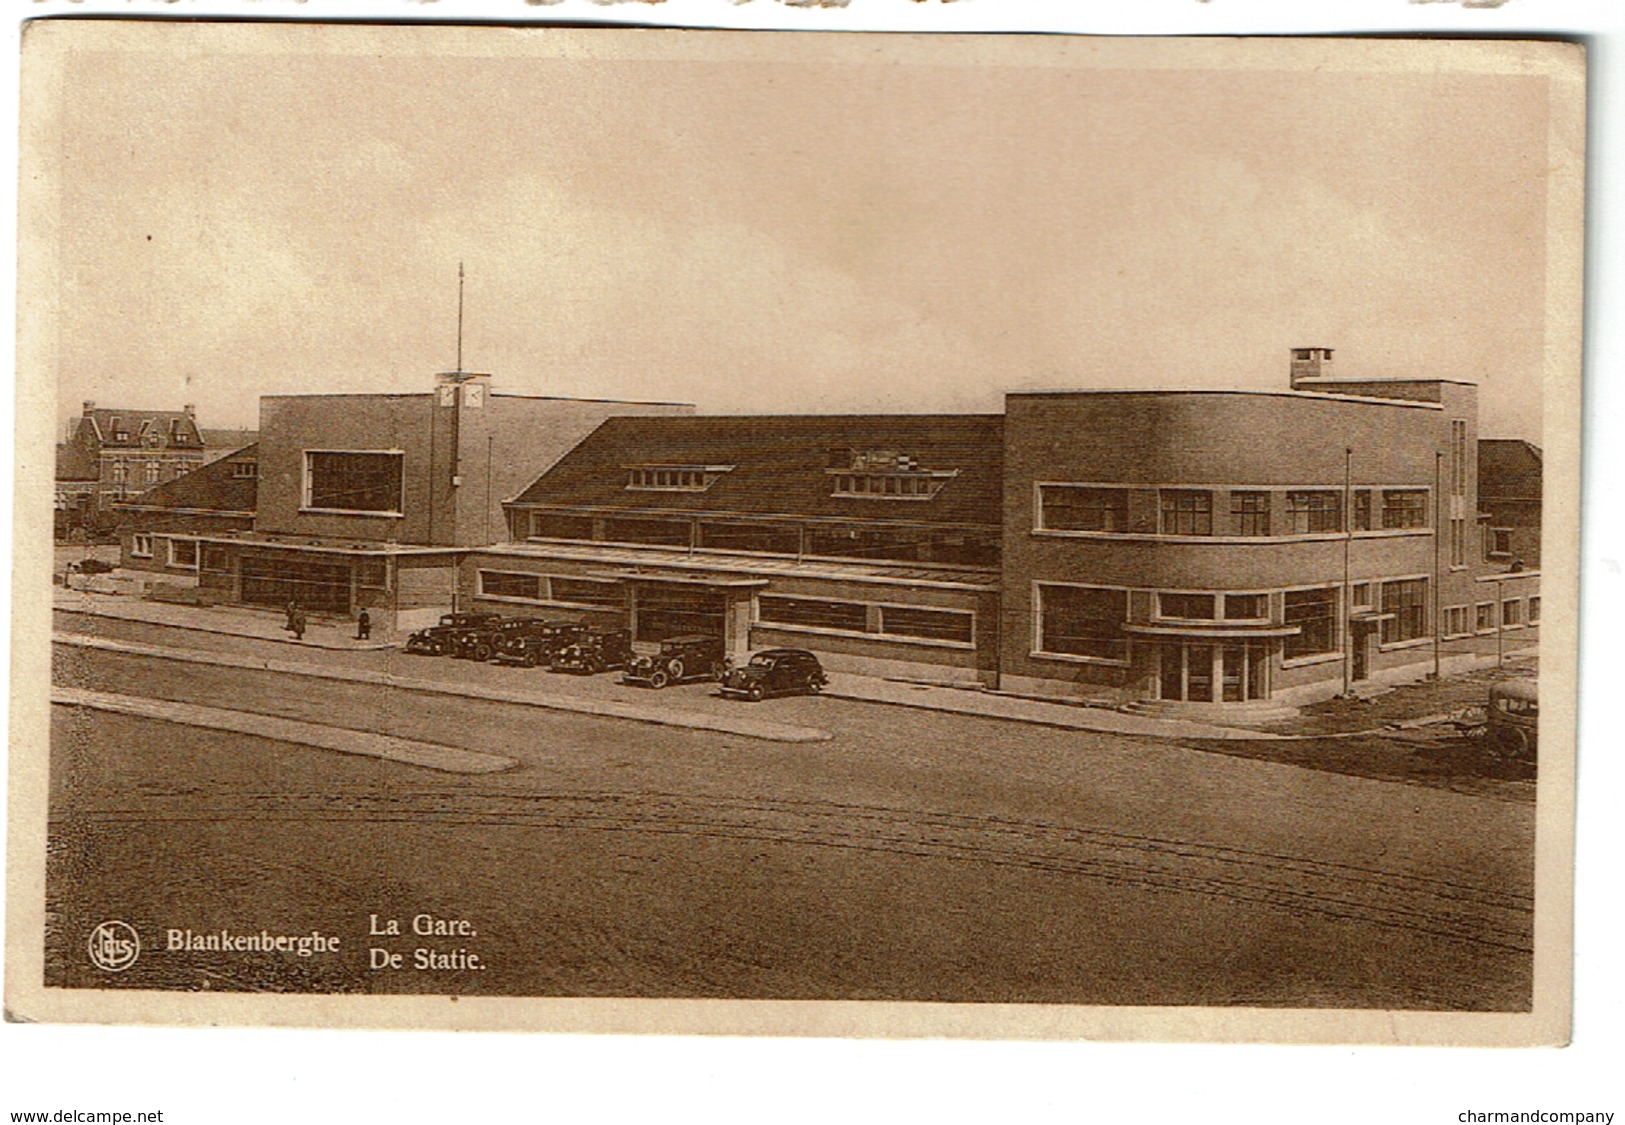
(235, 621)
(429, 755)
(737, 723)
(266, 625)
(1067, 716)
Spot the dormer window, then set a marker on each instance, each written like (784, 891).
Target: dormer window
(886, 474)
(245, 470)
(674, 478)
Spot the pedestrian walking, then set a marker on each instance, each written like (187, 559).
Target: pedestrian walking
(298, 624)
(293, 611)
(363, 627)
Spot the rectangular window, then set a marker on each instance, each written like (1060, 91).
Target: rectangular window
(1458, 542)
(892, 486)
(1190, 607)
(1360, 596)
(1511, 612)
(1534, 610)
(216, 560)
(1250, 513)
(183, 553)
(585, 591)
(762, 538)
(927, 624)
(653, 532)
(1500, 542)
(1310, 513)
(1069, 507)
(141, 546)
(1083, 621)
(1314, 612)
(1404, 508)
(152, 473)
(1404, 604)
(1458, 457)
(1484, 619)
(1362, 510)
(1186, 511)
(551, 525)
(1455, 621)
(1246, 607)
(245, 470)
(675, 478)
(501, 584)
(349, 481)
(848, 617)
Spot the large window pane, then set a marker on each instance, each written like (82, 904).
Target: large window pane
(1315, 614)
(1311, 512)
(1065, 507)
(1083, 621)
(353, 482)
(929, 624)
(1404, 604)
(1187, 511)
(847, 616)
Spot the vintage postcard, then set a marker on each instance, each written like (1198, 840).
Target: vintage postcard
(796, 534)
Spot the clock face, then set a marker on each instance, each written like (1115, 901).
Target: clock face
(474, 395)
(448, 396)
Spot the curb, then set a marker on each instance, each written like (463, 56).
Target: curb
(343, 740)
(610, 709)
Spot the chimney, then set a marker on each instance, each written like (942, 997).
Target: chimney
(90, 405)
(190, 411)
(1306, 364)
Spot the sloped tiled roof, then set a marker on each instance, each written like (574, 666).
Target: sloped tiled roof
(73, 462)
(213, 488)
(136, 425)
(780, 465)
(226, 441)
(1508, 468)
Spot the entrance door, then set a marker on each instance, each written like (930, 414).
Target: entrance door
(1245, 666)
(1362, 651)
(1191, 671)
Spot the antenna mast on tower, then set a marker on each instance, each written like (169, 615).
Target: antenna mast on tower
(459, 318)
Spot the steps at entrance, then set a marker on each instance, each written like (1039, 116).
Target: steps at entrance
(1256, 712)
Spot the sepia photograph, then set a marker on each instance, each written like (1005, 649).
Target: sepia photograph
(886, 535)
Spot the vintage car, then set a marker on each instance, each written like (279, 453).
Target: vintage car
(1511, 726)
(593, 650)
(437, 640)
(679, 659)
(776, 671)
(525, 641)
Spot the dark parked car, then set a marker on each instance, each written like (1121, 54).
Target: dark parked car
(437, 640)
(594, 650)
(777, 671)
(679, 659)
(532, 643)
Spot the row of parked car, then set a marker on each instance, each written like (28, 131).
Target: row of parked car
(567, 646)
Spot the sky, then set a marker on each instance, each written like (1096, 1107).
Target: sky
(783, 223)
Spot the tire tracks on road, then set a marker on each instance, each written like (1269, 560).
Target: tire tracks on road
(1441, 907)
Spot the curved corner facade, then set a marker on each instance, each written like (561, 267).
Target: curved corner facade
(1242, 547)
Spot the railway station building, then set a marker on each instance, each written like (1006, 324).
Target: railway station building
(1174, 550)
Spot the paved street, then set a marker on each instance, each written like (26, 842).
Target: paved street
(914, 855)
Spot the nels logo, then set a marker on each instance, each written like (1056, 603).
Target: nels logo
(114, 946)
